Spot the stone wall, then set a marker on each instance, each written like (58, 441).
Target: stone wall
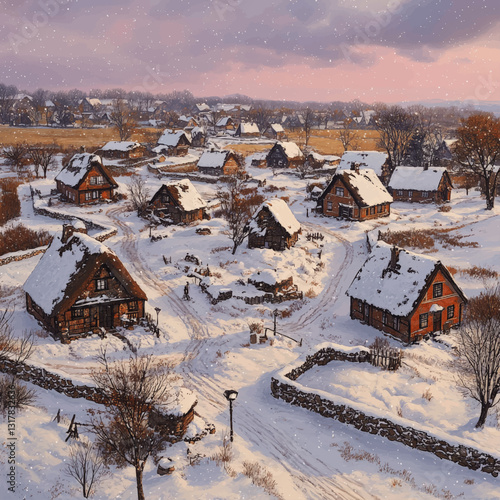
(420, 440)
(22, 255)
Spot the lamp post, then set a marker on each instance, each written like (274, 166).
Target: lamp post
(157, 309)
(275, 314)
(231, 396)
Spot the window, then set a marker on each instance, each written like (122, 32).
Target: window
(396, 323)
(379, 209)
(96, 194)
(77, 313)
(437, 290)
(384, 318)
(101, 284)
(339, 191)
(133, 305)
(400, 192)
(425, 194)
(88, 195)
(372, 210)
(450, 312)
(410, 194)
(97, 179)
(329, 206)
(424, 320)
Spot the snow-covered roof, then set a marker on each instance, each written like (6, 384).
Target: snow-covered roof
(197, 130)
(394, 291)
(49, 282)
(366, 159)
(249, 128)
(277, 127)
(76, 169)
(171, 138)
(281, 213)
(367, 186)
(291, 149)
(213, 159)
(203, 107)
(120, 146)
(186, 195)
(223, 121)
(416, 178)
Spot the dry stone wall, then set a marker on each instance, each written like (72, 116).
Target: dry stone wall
(420, 440)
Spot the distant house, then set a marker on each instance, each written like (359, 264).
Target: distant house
(420, 184)
(88, 105)
(316, 160)
(178, 202)
(122, 149)
(198, 137)
(374, 160)
(247, 130)
(187, 122)
(81, 286)
(218, 163)
(85, 180)
(273, 226)
(275, 131)
(173, 143)
(284, 155)
(225, 123)
(405, 294)
(355, 194)
(259, 160)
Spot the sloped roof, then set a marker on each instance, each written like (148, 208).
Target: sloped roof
(213, 159)
(76, 169)
(366, 159)
(416, 178)
(281, 213)
(277, 127)
(170, 138)
(291, 149)
(66, 268)
(223, 121)
(394, 291)
(184, 193)
(365, 187)
(120, 146)
(248, 128)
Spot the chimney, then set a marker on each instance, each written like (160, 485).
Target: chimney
(67, 232)
(426, 166)
(394, 266)
(355, 167)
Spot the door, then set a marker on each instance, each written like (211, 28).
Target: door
(106, 316)
(437, 321)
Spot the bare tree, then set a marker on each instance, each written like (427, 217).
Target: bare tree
(347, 135)
(479, 350)
(121, 117)
(212, 118)
(139, 194)
(262, 117)
(238, 203)
(63, 106)
(309, 119)
(396, 127)
(16, 155)
(87, 466)
(133, 389)
(7, 99)
(41, 156)
(478, 148)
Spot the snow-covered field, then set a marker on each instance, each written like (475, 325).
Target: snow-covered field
(309, 456)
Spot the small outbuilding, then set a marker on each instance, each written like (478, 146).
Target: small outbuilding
(285, 155)
(173, 143)
(122, 149)
(273, 226)
(218, 163)
(247, 130)
(405, 294)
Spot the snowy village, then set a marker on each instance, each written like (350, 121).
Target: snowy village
(287, 296)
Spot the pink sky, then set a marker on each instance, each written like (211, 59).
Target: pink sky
(321, 50)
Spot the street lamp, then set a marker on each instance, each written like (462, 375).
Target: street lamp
(231, 396)
(157, 309)
(275, 314)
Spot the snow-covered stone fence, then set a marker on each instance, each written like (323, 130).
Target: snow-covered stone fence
(17, 256)
(285, 387)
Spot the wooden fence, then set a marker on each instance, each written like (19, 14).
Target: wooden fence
(387, 358)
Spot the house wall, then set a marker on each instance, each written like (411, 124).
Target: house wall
(275, 237)
(442, 193)
(167, 210)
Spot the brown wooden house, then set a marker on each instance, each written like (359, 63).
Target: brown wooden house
(420, 184)
(178, 202)
(247, 130)
(355, 194)
(273, 226)
(275, 131)
(218, 163)
(173, 143)
(85, 180)
(285, 155)
(122, 149)
(406, 295)
(80, 286)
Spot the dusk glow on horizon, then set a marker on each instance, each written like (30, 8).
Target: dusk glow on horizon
(303, 50)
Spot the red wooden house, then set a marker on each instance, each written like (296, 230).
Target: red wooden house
(420, 184)
(273, 226)
(85, 180)
(80, 286)
(355, 194)
(405, 294)
(178, 202)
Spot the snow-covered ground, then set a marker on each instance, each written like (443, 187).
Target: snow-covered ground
(308, 455)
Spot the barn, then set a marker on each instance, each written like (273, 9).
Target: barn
(85, 180)
(81, 286)
(405, 294)
(273, 226)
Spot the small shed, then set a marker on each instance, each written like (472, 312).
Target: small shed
(247, 130)
(122, 149)
(285, 155)
(273, 226)
(275, 131)
(173, 143)
(218, 163)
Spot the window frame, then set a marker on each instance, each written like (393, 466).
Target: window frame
(101, 284)
(339, 191)
(450, 312)
(77, 313)
(329, 205)
(423, 320)
(437, 290)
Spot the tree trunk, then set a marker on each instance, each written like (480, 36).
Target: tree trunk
(484, 414)
(138, 478)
